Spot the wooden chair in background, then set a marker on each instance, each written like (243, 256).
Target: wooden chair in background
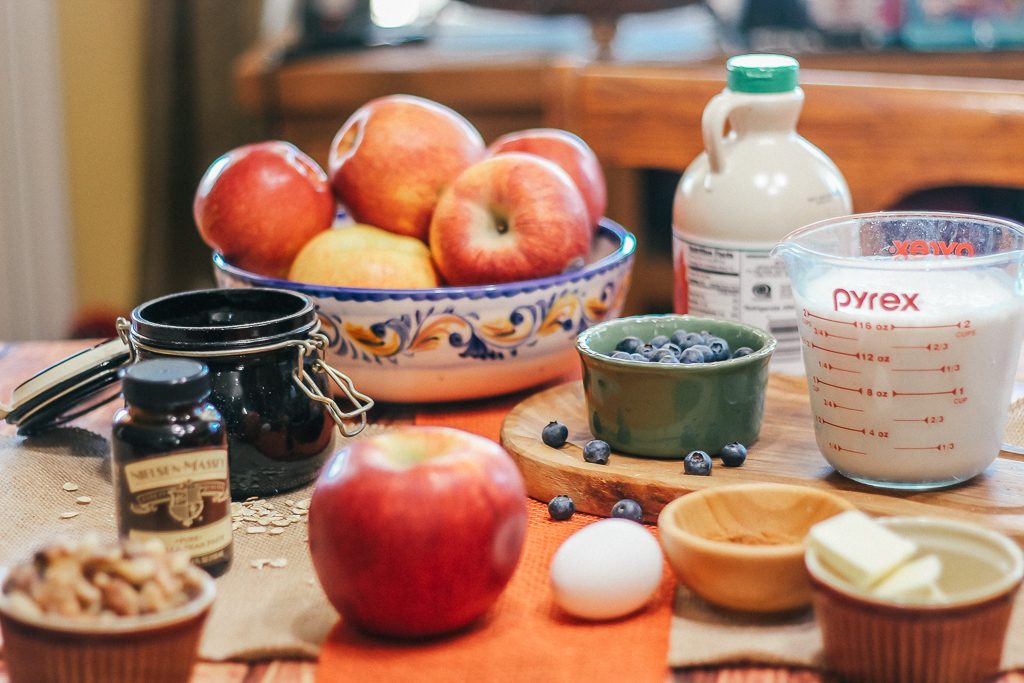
(891, 135)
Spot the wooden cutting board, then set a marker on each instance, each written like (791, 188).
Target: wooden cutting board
(784, 453)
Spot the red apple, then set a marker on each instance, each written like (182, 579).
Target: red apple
(260, 203)
(394, 156)
(510, 217)
(570, 152)
(414, 532)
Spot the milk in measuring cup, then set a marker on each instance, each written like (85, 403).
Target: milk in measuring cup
(910, 372)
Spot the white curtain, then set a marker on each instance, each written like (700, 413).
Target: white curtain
(36, 278)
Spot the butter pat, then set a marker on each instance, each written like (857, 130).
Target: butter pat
(859, 549)
(916, 580)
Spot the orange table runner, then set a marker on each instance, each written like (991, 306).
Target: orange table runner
(525, 636)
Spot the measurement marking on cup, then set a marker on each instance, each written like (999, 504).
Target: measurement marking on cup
(945, 368)
(843, 449)
(836, 351)
(938, 447)
(823, 421)
(829, 403)
(958, 391)
(829, 366)
(961, 324)
(942, 346)
(829, 320)
(857, 390)
(825, 333)
(928, 420)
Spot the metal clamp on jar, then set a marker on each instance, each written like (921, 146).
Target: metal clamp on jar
(269, 378)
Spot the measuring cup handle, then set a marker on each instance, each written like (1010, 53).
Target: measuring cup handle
(712, 124)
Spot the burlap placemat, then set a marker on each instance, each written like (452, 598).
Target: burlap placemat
(703, 635)
(269, 605)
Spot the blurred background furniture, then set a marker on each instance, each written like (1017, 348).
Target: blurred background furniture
(908, 141)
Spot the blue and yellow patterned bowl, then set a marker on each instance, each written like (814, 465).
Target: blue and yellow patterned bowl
(455, 343)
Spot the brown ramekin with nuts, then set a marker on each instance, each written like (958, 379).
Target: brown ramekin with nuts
(91, 611)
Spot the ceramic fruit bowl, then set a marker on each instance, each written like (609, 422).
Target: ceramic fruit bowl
(666, 410)
(741, 546)
(455, 343)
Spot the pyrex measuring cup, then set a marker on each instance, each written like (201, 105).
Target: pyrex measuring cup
(911, 327)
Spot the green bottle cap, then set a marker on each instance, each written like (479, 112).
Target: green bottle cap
(762, 73)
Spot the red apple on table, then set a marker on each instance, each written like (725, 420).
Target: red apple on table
(414, 532)
(510, 217)
(571, 153)
(260, 203)
(394, 156)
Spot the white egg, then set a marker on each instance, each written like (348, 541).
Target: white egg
(606, 570)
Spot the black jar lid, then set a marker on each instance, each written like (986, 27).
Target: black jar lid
(223, 319)
(67, 389)
(212, 320)
(164, 383)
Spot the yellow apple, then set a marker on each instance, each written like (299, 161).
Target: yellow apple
(364, 256)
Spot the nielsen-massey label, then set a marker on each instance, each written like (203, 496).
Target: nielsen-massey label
(183, 499)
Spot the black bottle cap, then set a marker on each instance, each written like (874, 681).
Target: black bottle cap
(165, 383)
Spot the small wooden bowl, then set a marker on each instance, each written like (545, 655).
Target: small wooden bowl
(741, 546)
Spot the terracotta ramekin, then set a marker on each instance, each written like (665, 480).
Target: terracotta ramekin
(959, 640)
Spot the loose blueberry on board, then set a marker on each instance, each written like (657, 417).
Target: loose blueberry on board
(597, 452)
(561, 508)
(733, 454)
(627, 508)
(698, 463)
(554, 434)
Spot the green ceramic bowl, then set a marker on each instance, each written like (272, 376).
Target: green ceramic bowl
(665, 411)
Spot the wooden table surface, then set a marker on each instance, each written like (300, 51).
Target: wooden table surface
(19, 361)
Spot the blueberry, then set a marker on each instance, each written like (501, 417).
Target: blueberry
(706, 336)
(647, 351)
(742, 351)
(627, 508)
(597, 452)
(554, 434)
(705, 351)
(629, 344)
(697, 462)
(691, 355)
(691, 339)
(662, 353)
(561, 508)
(679, 337)
(719, 349)
(733, 454)
(638, 356)
(659, 341)
(669, 359)
(622, 355)
(671, 347)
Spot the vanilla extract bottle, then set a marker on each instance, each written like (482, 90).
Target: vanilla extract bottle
(170, 462)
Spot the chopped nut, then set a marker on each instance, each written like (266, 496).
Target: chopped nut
(279, 563)
(83, 500)
(101, 581)
(70, 486)
(280, 522)
(303, 504)
(68, 515)
(275, 531)
(256, 530)
(259, 564)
